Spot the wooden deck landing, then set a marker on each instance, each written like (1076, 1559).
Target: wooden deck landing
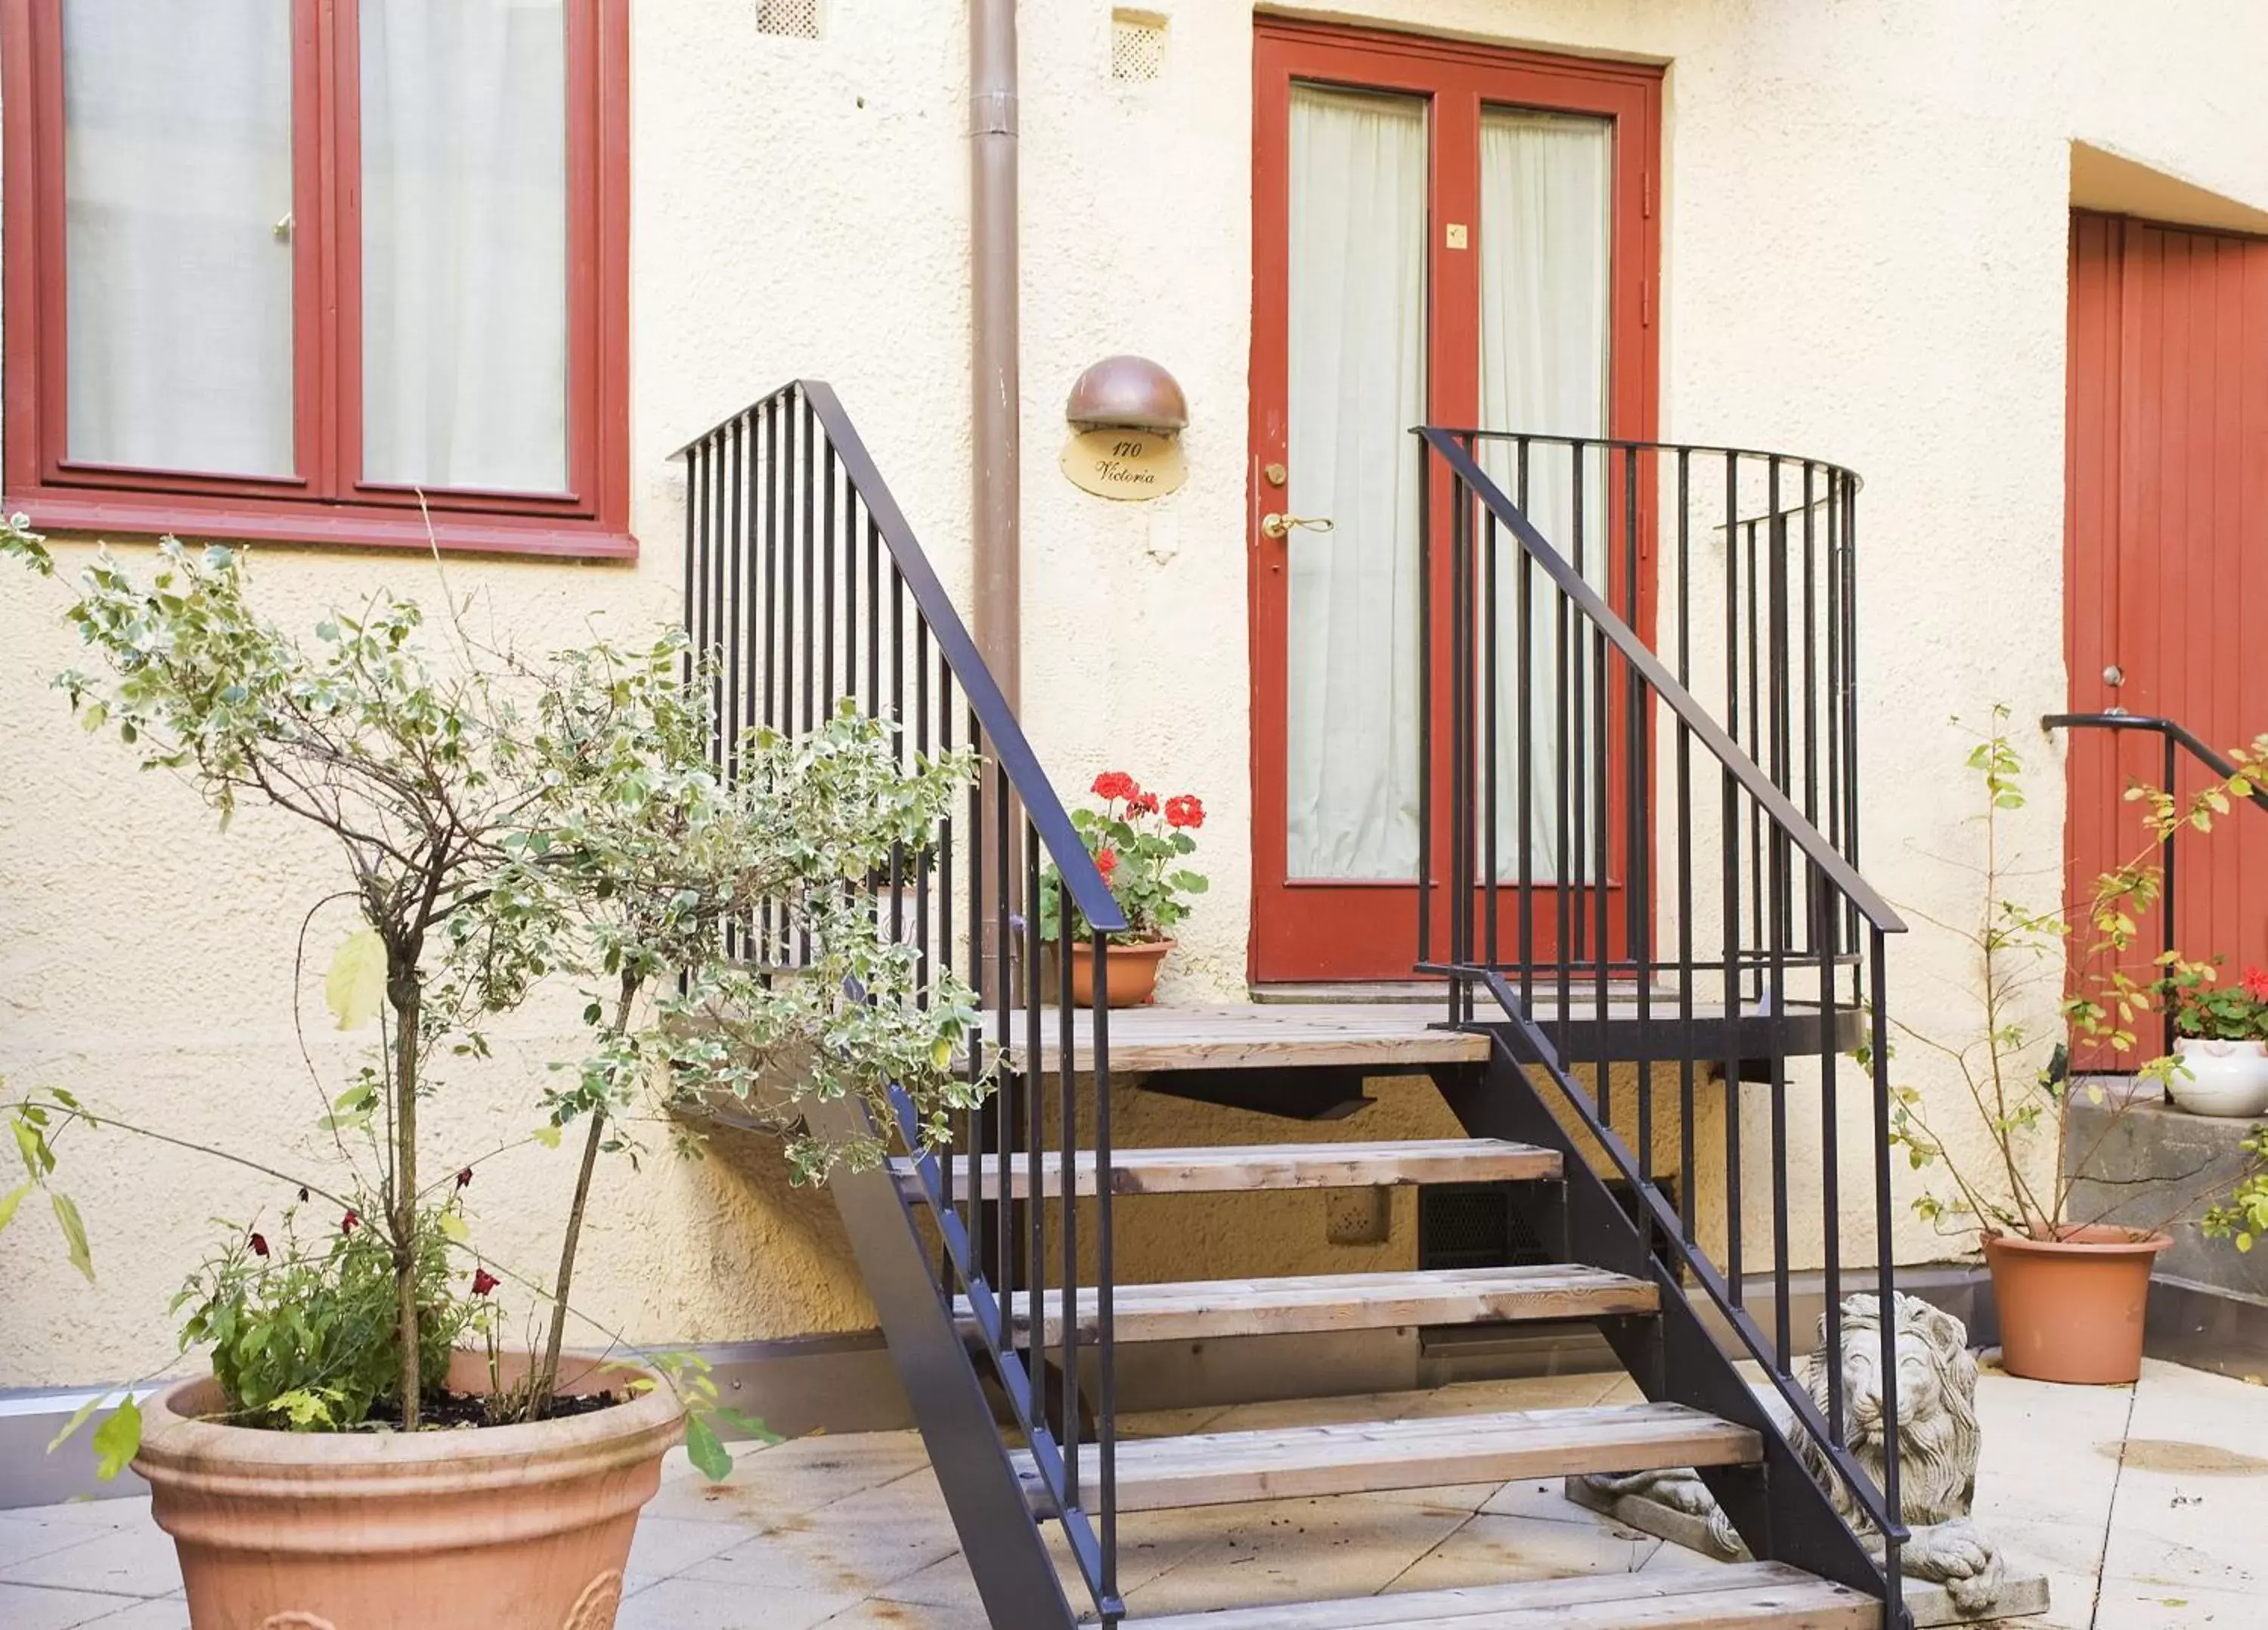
(1386, 1036)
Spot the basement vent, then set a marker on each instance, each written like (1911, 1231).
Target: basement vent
(798, 19)
(1138, 46)
(1482, 1225)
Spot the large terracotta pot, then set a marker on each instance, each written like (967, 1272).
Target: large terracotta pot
(495, 1528)
(1133, 972)
(2070, 1308)
(2220, 1078)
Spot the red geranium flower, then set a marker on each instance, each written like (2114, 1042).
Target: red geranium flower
(1184, 811)
(259, 1245)
(1142, 803)
(1113, 784)
(2255, 984)
(347, 1223)
(484, 1281)
(1106, 861)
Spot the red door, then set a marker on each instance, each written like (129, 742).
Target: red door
(2166, 550)
(1446, 235)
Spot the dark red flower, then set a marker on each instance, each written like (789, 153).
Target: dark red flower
(1106, 861)
(464, 1175)
(350, 1222)
(1113, 784)
(1142, 803)
(259, 1244)
(484, 1281)
(1184, 811)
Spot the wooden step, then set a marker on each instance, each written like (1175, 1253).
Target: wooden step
(1205, 1308)
(1224, 1468)
(1736, 1597)
(1265, 1166)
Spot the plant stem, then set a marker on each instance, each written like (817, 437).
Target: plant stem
(546, 1375)
(403, 993)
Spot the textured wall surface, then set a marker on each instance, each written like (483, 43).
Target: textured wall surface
(1865, 212)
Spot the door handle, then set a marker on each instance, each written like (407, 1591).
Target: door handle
(1283, 525)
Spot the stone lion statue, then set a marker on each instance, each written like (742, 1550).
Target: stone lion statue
(1937, 1443)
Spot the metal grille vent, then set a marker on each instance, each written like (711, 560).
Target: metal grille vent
(1480, 1225)
(798, 19)
(1138, 46)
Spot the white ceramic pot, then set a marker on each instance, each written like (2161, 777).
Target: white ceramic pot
(2220, 1078)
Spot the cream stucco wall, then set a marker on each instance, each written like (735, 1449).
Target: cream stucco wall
(1864, 260)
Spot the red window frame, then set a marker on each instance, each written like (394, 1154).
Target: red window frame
(327, 500)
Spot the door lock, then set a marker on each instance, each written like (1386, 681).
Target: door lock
(1283, 525)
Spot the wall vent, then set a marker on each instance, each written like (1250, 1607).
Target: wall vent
(1138, 45)
(798, 19)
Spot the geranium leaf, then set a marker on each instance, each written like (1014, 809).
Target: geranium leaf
(706, 1450)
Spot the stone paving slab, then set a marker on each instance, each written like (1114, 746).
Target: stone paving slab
(2143, 1506)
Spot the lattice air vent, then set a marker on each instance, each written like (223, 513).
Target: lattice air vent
(798, 19)
(1138, 45)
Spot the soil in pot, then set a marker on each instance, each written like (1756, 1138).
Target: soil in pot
(521, 1527)
(2071, 1307)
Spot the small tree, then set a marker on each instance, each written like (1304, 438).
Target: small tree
(2016, 1070)
(505, 823)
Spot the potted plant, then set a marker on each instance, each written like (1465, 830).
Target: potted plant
(2221, 1039)
(365, 1450)
(2070, 1289)
(1140, 844)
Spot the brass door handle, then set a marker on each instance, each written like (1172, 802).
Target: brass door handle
(1282, 526)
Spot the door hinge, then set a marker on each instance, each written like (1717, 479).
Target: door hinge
(1645, 302)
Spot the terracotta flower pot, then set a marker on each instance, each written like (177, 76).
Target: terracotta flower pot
(2220, 1078)
(1133, 972)
(502, 1528)
(2070, 1308)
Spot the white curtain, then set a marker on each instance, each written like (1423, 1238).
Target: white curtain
(177, 181)
(464, 162)
(1546, 198)
(1357, 302)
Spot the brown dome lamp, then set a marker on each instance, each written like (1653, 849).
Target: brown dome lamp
(1129, 414)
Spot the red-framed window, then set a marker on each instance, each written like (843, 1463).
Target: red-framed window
(319, 269)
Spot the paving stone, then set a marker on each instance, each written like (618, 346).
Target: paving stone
(32, 1607)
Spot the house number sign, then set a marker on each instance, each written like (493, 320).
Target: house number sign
(1129, 465)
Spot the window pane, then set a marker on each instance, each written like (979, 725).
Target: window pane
(177, 184)
(1547, 197)
(1357, 378)
(464, 258)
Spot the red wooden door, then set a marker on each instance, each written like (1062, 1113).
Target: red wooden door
(2165, 549)
(1315, 921)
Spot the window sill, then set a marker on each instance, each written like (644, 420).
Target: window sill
(64, 509)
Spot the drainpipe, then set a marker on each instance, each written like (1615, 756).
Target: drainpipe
(993, 275)
(996, 391)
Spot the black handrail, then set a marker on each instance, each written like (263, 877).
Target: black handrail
(955, 646)
(1657, 679)
(2175, 737)
(806, 588)
(1596, 705)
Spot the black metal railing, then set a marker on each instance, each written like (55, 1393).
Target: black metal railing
(806, 586)
(2173, 741)
(1615, 853)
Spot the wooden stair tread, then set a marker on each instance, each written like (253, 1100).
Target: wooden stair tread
(1265, 1166)
(1731, 1597)
(1203, 1308)
(1223, 1468)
